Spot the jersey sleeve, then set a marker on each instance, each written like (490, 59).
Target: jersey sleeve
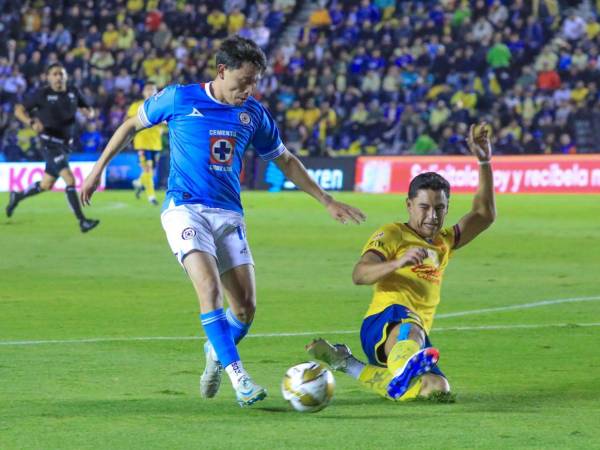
(384, 242)
(266, 139)
(82, 102)
(32, 101)
(158, 108)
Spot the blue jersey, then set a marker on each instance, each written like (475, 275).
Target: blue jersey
(208, 139)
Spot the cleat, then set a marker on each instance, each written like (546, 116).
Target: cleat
(153, 201)
(13, 201)
(210, 380)
(138, 188)
(336, 355)
(88, 224)
(248, 392)
(417, 365)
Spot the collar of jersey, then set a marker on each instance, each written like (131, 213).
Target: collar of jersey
(207, 90)
(429, 241)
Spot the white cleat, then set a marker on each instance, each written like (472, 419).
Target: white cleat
(210, 381)
(248, 392)
(336, 355)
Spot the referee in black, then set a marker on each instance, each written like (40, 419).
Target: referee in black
(50, 111)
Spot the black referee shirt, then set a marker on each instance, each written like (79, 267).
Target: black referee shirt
(56, 110)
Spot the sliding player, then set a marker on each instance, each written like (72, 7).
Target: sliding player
(406, 262)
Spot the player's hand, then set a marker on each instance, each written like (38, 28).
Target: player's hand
(413, 257)
(37, 125)
(88, 188)
(344, 213)
(478, 141)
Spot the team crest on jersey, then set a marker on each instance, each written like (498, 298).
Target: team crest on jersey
(245, 118)
(188, 233)
(222, 149)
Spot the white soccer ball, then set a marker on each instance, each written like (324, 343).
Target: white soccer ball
(308, 386)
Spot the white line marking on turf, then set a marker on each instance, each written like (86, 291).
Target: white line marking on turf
(521, 306)
(317, 333)
(302, 333)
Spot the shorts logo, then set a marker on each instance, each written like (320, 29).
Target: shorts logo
(245, 118)
(221, 150)
(188, 234)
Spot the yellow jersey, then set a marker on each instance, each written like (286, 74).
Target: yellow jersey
(416, 287)
(148, 138)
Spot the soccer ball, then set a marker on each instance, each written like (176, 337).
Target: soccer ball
(308, 386)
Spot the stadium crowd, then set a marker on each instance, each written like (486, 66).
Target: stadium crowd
(363, 76)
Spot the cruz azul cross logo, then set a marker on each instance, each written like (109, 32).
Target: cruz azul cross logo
(221, 152)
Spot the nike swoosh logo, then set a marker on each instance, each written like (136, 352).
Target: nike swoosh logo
(195, 113)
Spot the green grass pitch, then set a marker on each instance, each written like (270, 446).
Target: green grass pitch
(527, 377)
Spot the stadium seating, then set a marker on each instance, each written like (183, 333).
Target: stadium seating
(361, 77)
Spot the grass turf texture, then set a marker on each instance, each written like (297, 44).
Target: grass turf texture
(516, 388)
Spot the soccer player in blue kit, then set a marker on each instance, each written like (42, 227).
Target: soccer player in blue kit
(210, 127)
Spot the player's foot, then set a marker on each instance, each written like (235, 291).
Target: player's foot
(210, 380)
(153, 201)
(417, 365)
(248, 392)
(137, 188)
(13, 201)
(335, 355)
(86, 225)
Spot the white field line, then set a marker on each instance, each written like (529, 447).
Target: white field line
(320, 333)
(521, 306)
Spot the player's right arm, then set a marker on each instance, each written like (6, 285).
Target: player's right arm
(154, 110)
(119, 140)
(372, 266)
(380, 256)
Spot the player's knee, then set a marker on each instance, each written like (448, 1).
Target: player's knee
(431, 383)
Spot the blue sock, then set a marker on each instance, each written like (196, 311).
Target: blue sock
(218, 332)
(238, 329)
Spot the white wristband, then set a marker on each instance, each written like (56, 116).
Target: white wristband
(484, 163)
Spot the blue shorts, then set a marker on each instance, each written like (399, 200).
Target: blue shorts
(374, 332)
(149, 155)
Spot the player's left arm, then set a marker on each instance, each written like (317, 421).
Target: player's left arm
(483, 212)
(295, 171)
(268, 144)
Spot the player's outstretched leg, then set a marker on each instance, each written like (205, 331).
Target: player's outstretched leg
(337, 356)
(416, 365)
(340, 358)
(210, 380)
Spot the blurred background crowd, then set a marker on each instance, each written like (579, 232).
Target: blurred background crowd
(345, 78)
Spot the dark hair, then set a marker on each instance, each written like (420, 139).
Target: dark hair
(54, 65)
(428, 180)
(236, 50)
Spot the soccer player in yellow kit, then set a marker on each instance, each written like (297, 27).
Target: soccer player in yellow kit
(406, 262)
(148, 144)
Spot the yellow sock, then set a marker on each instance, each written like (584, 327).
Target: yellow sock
(148, 183)
(376, 379)
(400, 353)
